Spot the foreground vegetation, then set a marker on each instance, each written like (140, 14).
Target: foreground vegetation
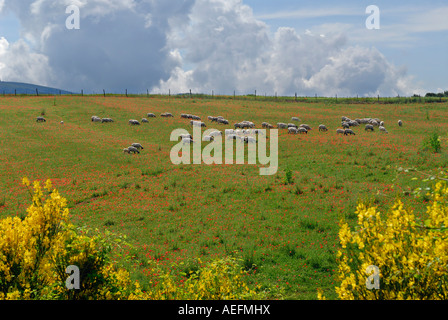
(282, 229)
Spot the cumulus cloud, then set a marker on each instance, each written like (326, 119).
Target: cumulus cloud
(178, 45)
(231, 50)
(121, 43)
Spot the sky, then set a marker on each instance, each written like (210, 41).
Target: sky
(279, 47)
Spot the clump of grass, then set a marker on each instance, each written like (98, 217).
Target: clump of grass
(109, 223)
(2, 201)
(288, 177)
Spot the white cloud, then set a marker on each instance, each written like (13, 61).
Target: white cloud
(232, 50)
(19, 62)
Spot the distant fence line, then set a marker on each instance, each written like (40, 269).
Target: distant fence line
(235, 96)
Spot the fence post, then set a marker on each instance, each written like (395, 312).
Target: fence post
(104, 93)
(82, 93)
(37, 92)
(126, 93)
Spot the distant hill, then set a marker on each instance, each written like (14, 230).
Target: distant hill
(27, 88)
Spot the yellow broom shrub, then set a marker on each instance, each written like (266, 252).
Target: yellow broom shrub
(410, 255)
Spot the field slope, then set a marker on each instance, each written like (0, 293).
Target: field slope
(286, 233)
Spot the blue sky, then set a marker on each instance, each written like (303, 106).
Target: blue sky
(411, 44)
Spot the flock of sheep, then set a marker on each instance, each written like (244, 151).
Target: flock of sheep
(245, 131)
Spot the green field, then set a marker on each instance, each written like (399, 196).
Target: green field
(285, 230)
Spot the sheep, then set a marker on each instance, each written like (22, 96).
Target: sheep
(215, 133)
(353, 123)
(282, 125)
(292, 125)
(133, 150)
(307, 127)
(250, 124)
(151, 115)
(208, 138)
(267, 125)
(197, 123)
(382, 123)
(369, 127)
(106, 120)
(187, 140)
(345, 125)
(96, 119)
(41, 119)
(222, 121)
(126, 150)
(293, 130)
(295, 119)
(144, 120)
(134, 122)
(250, 140)
(349, 132)
(383, 129)
(137, 145)
(229, 131)
(167, 115)
(400, 123)
(257, 131)
(322, 127)
(302, 130)
(232, 136)
(340, 131)
(186, 136)
(62, 122)
(374, 123)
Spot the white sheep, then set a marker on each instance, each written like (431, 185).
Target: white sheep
(302, 130)
(133, 150)
(187, 140)
(322, 128)
(292, 130)
(349, 131)
(137, 145)
(400, 123)
(215, 133)
(383, 129)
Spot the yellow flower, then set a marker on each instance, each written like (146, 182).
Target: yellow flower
(25, 181)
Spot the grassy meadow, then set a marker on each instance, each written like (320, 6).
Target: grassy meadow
(284, 230)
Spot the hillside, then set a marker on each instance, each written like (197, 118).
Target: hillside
(26, 88)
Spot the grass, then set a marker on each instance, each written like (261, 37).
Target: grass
(284, 227)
